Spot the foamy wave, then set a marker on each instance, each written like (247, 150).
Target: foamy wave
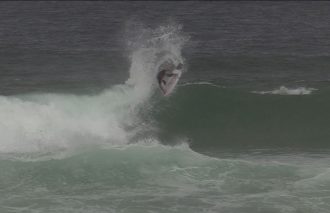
(287, 91)
(51, 122)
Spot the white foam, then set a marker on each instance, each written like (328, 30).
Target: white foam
(51, 122)
(287, 91)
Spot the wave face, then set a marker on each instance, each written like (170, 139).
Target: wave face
(214, 117)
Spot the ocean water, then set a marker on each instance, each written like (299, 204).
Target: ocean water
(84, 127)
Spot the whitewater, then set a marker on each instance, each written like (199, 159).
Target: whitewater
(47, 123)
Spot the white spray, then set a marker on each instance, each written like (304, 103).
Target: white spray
(151, 49)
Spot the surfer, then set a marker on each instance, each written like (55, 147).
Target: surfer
(166, 75)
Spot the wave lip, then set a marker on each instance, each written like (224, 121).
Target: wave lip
(287, 91)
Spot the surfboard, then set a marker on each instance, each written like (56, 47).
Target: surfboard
(169, 81)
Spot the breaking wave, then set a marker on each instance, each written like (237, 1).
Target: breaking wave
(109, 152)
(56, 123)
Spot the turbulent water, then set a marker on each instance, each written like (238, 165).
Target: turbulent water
(84, 127)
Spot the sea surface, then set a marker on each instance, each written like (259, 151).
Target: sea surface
(85, 128)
